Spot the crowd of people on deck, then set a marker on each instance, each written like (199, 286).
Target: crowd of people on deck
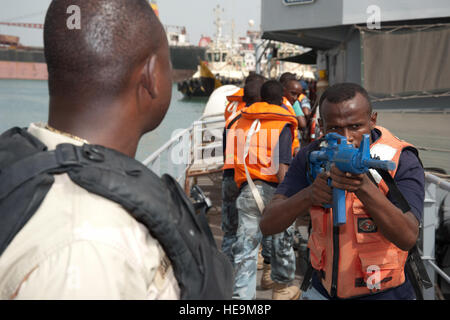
(281, 107)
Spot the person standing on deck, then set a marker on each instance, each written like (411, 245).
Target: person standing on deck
(379, 231)
(263, 152)
(251, 94)
(303, 101)
(292, 90)
(236, 101)
(98, 236)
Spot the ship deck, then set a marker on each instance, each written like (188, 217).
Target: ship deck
(433, 142)
(211, 184)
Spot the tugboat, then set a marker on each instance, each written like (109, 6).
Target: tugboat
(223, 65)
(204, 82)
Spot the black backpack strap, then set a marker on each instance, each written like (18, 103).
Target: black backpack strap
(394, 190)
(307, 277)
(27, 168)
(415, 268)
(26, 182)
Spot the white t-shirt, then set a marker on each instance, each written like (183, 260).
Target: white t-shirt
(79, 245)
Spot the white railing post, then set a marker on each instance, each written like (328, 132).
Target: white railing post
(198, 139)
(155, 166)
(428, 236)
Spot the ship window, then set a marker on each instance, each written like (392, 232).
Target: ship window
(209, 57)
(224, 57)
(216, 56)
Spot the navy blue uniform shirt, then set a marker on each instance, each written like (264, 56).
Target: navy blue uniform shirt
(410, 180)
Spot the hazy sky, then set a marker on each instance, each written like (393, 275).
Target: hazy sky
(196, 15)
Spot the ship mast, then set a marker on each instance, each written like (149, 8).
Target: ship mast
(218, 22)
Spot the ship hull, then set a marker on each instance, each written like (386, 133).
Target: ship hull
(26, 64)
(30, 64)
(23, 70)
(186, 57)
(181, 74)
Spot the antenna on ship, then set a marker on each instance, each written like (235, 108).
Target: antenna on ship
(233, 26)
(218, 22)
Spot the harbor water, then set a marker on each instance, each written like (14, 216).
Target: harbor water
(24, 101)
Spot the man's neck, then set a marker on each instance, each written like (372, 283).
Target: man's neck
(107, 126)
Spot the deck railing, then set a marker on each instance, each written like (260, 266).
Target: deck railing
(200, 143)
(436, 189)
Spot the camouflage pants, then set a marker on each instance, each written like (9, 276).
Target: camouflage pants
(249, 237)
(230, 192)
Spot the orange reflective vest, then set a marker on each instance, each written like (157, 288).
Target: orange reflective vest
(296, 142)
(300, 98)
(312, 130)
(355, 259)
(235, 103)
(257, 133)
(230, 126)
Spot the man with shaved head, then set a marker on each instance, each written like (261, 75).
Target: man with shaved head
(112, 73)
(109, 83)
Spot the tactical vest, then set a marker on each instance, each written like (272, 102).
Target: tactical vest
(26, 175)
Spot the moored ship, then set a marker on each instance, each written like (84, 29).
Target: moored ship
(28, 63)
(17, 62)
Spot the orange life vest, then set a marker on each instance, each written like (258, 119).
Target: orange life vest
(235, 103)
(312, 131)
(266, 121)
(365, 261)
(300, 98)
(230, 126)
(296, 142)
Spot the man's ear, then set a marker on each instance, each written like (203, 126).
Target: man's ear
(373, 120)
(148, 77)
(320, 120)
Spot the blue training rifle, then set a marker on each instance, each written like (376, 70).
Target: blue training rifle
(346, 158)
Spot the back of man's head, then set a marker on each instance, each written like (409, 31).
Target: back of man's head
(286, 77)
(252, 89)
(254, 76)
(272, 92)
(97, 59)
